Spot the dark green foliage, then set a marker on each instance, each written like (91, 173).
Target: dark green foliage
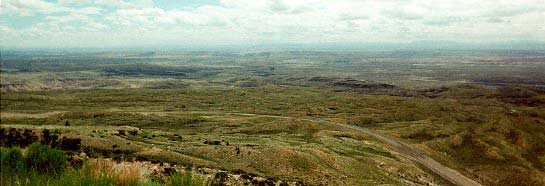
(11, 159)
(46, 160)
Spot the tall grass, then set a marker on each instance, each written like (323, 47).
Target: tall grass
(186, 179)
(41, 158)
(42, 165)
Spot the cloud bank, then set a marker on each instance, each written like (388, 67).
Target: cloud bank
(109, 23)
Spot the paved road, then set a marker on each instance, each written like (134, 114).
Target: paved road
(446, 173)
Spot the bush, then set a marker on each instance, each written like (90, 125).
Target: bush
(186, 179)
(41, 158)
(45, 166)
(11, 159)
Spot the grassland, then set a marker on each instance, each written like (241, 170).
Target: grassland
(481, 113)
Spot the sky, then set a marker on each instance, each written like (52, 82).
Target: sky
(125, 23)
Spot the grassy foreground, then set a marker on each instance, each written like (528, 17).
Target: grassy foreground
(41, 165)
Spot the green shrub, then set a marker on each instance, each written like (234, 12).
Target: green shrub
(186, 179)
(41, 158)
(11, 159)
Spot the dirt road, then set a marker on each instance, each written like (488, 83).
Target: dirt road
(417, 155)
(446, 173)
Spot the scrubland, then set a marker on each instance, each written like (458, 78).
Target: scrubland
(230, 118)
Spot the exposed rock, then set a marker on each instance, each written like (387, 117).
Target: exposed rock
(220, 178)
(169, 171)
(72, 144)
(212, 142)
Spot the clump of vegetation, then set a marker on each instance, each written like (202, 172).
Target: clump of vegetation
(12, 159)
(38, 158)
(186, 179)
(41, 165)
(41, 158)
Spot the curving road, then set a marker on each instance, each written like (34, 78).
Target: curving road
(446, 173)
(417, 155)
(414, 153)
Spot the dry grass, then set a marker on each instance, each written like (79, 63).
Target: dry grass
(14, 115)
(125, 173)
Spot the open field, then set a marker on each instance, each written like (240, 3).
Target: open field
(263, 116)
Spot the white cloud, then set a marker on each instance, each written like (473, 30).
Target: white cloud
(110, 3)
(244, 21)
(27, 7)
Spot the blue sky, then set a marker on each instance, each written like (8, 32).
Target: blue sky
(125, 23)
